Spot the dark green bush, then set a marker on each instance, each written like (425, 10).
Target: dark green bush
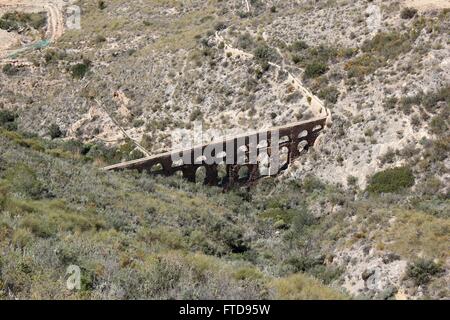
(3, 197)
(422, 271)
(298, 45)
(7, 117)
(391, 180)
(315, 69)
(265, 53)
(101, 4)
(220, 26)
(54, 131)
(8, 120)
(79, 70)
(408, 13)
(10, 69)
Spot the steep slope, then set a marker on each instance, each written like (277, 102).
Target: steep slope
(151, 67)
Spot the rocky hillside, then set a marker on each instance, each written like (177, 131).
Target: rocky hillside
(365, 212)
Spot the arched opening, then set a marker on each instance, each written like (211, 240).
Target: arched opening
(242, 154)
(222, 173)
(200, 159)
(284, 157)
(200, 175)
(178, 174)
(262, 144)
(303, 146)
(221, 155)
(243, 173)
(284, 139)
(264, 164)
(156, 168)
(317, 128)
(177, 163)
(303, 134)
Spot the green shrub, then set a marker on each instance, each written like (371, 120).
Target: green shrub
(101, 4)
(377, 51)
(3, 197)
(311, 183)
(100, 38)
(388, 45)
(54, 131)
(390, 102)
(352, 180)
(79, 70)
(10, 69)
(362, 65)
(265, 53)
(8, 120)
(422, 271)
(408, 13)
(23, 180)
(438, 125)
(302, 220)
(298, 45)
(391, 180)
(330, 94)
(315, 69)
(196, 114)
(247, 273)
(220, 26)
(429, 100)
(52, 55)
(245, 41)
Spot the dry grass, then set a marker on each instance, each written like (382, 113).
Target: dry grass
(302, 287)
(415, 233)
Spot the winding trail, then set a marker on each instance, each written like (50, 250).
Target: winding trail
(316, 105)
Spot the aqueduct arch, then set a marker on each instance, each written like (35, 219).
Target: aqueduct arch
(247, 151)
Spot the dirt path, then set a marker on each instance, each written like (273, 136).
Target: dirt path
(427, 4)
(316, 105)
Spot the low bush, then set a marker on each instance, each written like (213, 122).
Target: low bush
(391, 180)
(8, 120)
(438, 125)
(300, 287)
(298, 45)
(23, 180)
(422, 271)
(315, 69)
(264, 53)
(79, 70)
(10, 69)
(377, 51)
(54, 131)
(101, 4)
(408, 13)
(245, 41)
(330, 94)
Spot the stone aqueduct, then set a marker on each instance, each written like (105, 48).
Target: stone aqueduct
(236, 164)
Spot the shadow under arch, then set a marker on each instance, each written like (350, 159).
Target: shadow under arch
(200, 175)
